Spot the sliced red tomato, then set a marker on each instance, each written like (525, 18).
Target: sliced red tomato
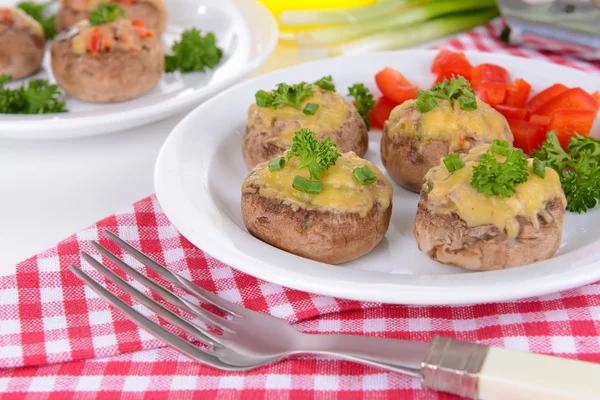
(566, 122)
(545, 96)
(527, 136)
(541, 120)
(511, 112)
(450, 62)
(491, 93)
(572, 98)
(395, 86)
(381, 112)
(518, 93)
(486, 73)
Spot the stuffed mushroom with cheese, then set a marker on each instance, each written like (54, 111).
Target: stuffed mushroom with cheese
(114, 61)
(22, 44)
(420, 132)
(317, 203)
(152, 12)
(490, 209)
(277, 115)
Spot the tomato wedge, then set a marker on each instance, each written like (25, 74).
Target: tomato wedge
(448, 62)
(511, 112)
(491, 93)
(566, 122)
(381, 112)
(527, 136)
(541, 120)
(572, 98)
(518, 93)
(486, 73)
(395, 86)
(545, 96)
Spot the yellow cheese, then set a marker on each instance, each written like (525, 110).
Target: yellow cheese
(331, 115)
(453, 193)
(341, 191)
(448, 122)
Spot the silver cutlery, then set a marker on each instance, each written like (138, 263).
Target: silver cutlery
(248, 339)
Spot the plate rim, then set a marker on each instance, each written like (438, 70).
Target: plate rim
(562, 280)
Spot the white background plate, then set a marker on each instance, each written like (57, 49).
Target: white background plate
(246, 44)
(200, 170)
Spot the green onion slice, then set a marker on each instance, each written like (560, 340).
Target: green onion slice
(500, 147)
(262, 98)
(539, 167)
(453, 162)
(310, 109)
(276, 164)
(364, 175)
(426, 101)
(304, 185)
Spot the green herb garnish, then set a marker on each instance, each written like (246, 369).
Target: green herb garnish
(304, 185)
(194, 52)
(37, 97)
(457, 89)
(38, 12)
(578, 169)
(500, 147)
(364, 175)
(363, 100)
(315, 155)
(106, 13)
(284, 95)
(539, 167)
(453, 162)
(310, 109)
(494, 178)
(276, 164)
(326, 83)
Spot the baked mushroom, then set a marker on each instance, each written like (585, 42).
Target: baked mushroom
(152, 12)
(415, 138)
(332, 216)
(22, 43)
(111, 62)
(492, 211)
(272, 121)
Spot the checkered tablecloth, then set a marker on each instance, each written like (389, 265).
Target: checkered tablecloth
(59, 340)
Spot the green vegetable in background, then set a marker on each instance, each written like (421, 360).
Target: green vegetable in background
(284, 95)
(106, 13)
(363, 100)
(457, 89)
(194, 52)
(315, 155)
(37, 97)
(38, 11)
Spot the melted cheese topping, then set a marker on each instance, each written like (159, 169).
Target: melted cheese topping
(453, 193)
(282, 123)
(341, 191)
(120, 34)
(18, 18)
(448, 122)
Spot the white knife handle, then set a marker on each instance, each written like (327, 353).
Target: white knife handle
(491, 373)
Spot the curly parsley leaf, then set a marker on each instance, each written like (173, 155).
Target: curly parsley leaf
(578, 169)
(106, 13)
(38, 11)
(315, 155)
(494, 178)
(194, 52)
(456, 89)
(284, 95)
(363, 100)
(38, 97)
(326, 83)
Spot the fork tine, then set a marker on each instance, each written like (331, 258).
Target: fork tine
(169, 296)
(177, 280)
(169, 338)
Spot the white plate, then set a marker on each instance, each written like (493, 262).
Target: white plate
(245, 30)
(200, 170)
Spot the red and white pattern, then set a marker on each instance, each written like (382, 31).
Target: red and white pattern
(53, 330)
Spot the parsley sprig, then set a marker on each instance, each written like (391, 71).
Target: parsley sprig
(578, 169)
(284, 95)
(106, 13)
(456, 89)
(194, 52)
(326, 83)
(363, 100)
(494, 178)
(38, 11)
(37, 97)
(315, 155)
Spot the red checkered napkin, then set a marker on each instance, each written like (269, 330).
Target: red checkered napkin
(53, 330)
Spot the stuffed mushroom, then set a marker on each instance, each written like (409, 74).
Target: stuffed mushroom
(491, 212)
(152, 12)
(413, 140)
(331, 213)
(111, 62)
(272, 123)
(22, 43)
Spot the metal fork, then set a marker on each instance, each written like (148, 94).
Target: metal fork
(249, 339)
